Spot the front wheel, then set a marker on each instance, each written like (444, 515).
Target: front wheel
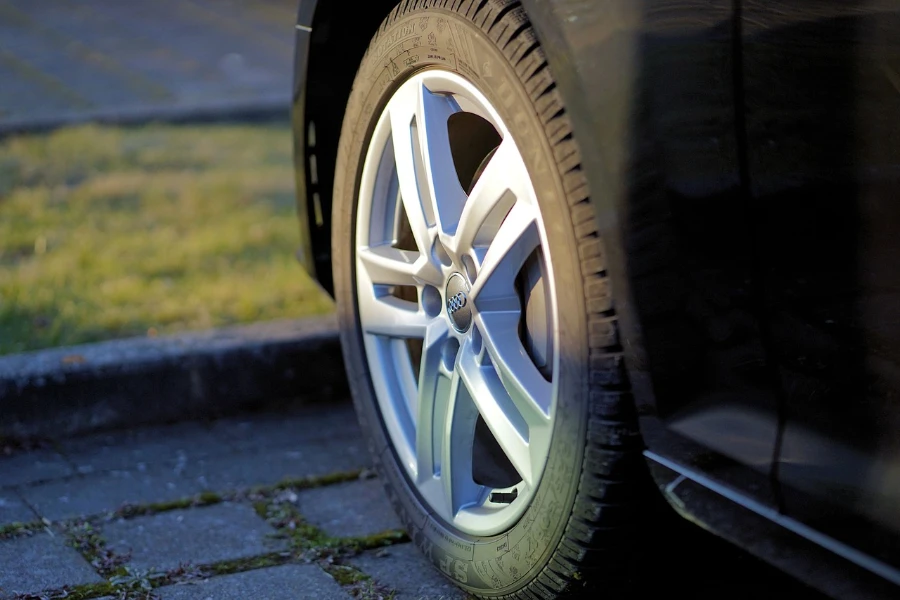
(476, 321)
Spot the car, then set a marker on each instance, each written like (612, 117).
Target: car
(587, 254)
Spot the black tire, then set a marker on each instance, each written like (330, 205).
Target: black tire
(578, 528)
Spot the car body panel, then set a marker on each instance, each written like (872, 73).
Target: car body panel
(822, 104)
(649, 87)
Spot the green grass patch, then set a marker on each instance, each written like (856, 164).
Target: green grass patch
(110, 232)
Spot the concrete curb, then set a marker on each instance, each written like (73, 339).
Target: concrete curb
(122, 383)
(262, 108)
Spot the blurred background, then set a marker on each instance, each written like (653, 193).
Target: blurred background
(146, 184)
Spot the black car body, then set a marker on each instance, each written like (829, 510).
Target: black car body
(744, 159)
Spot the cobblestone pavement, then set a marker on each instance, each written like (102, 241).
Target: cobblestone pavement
(65, 58)
(260, 506)
(271, 505)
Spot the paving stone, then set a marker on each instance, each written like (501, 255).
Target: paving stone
(29, 467)
(31, 564)
(176, 445)
(403, 569)
(266, 467)
(13, 509)
(287, 582)
(353, 509)
(103, 492)
(196, 535)
(286, 431)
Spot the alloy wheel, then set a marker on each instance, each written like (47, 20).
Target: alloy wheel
(456, 302)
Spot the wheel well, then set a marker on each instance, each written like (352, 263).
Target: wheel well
(338, 42)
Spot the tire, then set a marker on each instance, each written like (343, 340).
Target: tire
(569, 520)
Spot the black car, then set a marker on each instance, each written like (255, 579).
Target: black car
(579, 247)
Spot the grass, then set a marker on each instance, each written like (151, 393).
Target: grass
(112, 232)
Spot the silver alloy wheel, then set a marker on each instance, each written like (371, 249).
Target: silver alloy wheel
(463, 301)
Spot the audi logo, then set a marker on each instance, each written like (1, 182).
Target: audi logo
(456, 302)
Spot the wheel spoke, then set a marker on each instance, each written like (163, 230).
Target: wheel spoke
(389, 266)
(444, 191)
(516, 238)
(429, 188)
(491, 198)
(386, 265)
(390, 316)
(401, 110)
(527, 388)
(445, 426)
(461, 417)
(501, 416)
(433, 386)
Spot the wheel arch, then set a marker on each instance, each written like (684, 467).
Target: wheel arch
(329, 47)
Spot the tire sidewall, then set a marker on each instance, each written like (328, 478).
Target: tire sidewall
(502, 563)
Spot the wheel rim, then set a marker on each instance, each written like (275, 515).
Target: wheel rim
(459, 321)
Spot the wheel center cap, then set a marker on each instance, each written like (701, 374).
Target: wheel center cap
(458, 307)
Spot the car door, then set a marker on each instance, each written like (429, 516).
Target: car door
(821, 91)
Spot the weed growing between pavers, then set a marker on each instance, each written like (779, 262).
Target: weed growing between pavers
(377, 540)
(129, 511)
(311, 544)
(88, 541)
(306, 483)
(347, 574)
(251, 563)
(357, 583)
(280, 513)
(82, 592)
(136, 583)
(15, 530)
(273, 503)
